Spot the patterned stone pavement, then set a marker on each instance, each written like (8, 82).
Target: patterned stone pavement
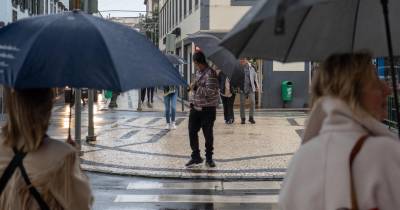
(136, 143)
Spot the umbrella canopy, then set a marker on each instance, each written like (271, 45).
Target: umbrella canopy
(80, 50)
(221, 57)
(313, 32)
(175, 60)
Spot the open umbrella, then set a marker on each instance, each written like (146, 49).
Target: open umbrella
(221, 57)
(79, 50)
(175, 60)
(312, 32)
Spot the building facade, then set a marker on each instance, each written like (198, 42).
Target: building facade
(12, 10)
(179, 18)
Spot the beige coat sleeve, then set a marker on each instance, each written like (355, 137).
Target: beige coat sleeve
(71, 188)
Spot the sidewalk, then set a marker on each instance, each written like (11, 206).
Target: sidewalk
(136, 143)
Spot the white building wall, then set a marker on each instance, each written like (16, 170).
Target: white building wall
(223, 16)
(6, 12)
(6, 9)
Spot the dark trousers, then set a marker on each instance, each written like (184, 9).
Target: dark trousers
(150, 94)
(113, 102)
(204, 120)
(227, 102)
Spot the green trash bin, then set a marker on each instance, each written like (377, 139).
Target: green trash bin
(287, 91)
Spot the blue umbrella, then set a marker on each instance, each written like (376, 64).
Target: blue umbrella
(80, 50)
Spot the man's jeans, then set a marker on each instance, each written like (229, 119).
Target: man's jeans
(170, 107)
(252, 97)
(204, 120)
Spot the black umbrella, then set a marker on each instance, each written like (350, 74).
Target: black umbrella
(311, 30)
(221, 57)
(175, 60)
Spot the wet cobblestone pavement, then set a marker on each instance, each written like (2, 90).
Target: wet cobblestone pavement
(136, 143)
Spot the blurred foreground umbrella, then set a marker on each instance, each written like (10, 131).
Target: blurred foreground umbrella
(175, 60)
(79, 50)
(297, 30)
(221, 57)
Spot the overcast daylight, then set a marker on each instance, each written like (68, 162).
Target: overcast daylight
(129, 7)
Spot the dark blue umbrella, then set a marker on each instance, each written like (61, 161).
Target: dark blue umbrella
(80, 50)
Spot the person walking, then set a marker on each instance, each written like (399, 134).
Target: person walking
(227, 97)
(348, 158)
(170, 94)
(37, 172)
(203, 110)
(113, 101)
(248, 87)
(150, 95)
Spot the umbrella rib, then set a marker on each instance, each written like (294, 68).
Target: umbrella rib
(28, 53)
(105, 44)
(248, 40)
(296, 34)
(355, 26)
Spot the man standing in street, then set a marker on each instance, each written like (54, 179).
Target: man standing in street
(203, 110)
(247, 90)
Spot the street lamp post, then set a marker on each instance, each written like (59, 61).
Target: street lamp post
(78, 105)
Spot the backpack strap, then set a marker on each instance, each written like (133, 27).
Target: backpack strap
(356, 149)
(32, 189)
(15, 163)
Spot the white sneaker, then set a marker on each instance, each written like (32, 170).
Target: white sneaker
(173, 125)
(168, 126)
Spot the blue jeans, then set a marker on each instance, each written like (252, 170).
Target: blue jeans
(170, 107)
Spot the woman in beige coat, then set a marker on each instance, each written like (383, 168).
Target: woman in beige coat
(349, 102)
(51, 166)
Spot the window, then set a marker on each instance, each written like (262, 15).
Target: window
(14, 16)
(190, 6)
(184, 8)
(47, 7)
(180, 10)
(162, 23)
(176, 11)
(242, 2)
(173, 12)
(15, 4)
(169, 14)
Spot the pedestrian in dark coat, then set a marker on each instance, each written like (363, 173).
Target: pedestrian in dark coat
(227, 96)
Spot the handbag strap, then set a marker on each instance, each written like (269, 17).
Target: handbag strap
(356, 149)
(17, 162)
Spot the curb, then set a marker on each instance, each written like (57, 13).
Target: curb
(232, 178)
